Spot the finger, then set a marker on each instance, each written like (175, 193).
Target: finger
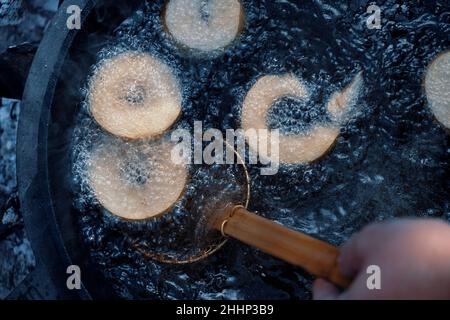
(353, 253)
(358, 289)
(323, 290)
(351, 259)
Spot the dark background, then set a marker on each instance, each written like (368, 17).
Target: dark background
(21, 22)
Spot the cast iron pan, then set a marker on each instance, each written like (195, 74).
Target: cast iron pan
(48, 110)
(51, 102)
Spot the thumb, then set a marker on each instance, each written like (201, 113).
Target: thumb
(324, 290)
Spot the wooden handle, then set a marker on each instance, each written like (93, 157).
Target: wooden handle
(317, 257)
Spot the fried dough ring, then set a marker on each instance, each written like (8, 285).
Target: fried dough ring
(204, 25)
(134, 95)
(298, 148)
(136, 182)
(437, 87)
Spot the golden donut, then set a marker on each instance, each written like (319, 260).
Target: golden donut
(299, 148)
(437, 87)
(204, 25)
(134, 96)
(136, 182)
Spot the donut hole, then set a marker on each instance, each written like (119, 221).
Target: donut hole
(136, 173)
(136, 169)
(293, 115)
(134, 94)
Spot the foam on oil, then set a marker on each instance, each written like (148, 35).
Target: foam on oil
(366, 177)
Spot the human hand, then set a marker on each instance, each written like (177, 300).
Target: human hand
(413, 256)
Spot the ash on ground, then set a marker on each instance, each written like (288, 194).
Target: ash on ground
(17, 258)
(20, 22)
(24, 21)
